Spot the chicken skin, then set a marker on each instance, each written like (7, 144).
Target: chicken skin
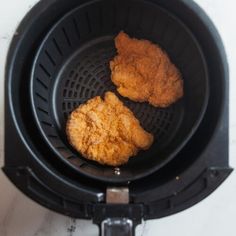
(105, 131)
(143, 72)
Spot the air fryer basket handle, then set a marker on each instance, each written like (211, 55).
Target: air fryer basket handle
(117, 227)
(117, 219)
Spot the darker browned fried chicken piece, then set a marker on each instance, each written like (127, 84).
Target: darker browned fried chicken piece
(142, 71)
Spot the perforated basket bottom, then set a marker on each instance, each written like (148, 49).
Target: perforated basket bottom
(87, 74)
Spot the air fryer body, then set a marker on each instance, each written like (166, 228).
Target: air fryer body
(195, 171)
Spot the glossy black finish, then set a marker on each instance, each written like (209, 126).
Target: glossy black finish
(200, 167)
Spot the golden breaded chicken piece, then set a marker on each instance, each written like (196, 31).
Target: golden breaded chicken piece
(106, 131)
(142, 71)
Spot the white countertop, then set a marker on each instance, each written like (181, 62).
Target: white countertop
(19, 216)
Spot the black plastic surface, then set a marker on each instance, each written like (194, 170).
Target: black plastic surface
(72, 66)
(101, 212)
(200, 167)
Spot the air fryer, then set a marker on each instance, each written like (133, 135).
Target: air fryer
(59, 58)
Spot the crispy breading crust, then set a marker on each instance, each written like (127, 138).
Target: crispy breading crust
(142, 71)
(106, 131)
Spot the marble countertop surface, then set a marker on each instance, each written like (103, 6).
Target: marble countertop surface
(19, 216)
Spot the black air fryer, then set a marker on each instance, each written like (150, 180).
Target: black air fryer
(59, 58)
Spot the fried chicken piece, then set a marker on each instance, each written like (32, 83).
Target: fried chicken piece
(142, 71)
(106, 131)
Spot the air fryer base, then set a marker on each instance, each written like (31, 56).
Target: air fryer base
(204, 159)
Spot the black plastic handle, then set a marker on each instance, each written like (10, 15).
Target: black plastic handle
(117, 219)
(117, 227)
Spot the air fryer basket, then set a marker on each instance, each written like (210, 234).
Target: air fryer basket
(72, 66)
